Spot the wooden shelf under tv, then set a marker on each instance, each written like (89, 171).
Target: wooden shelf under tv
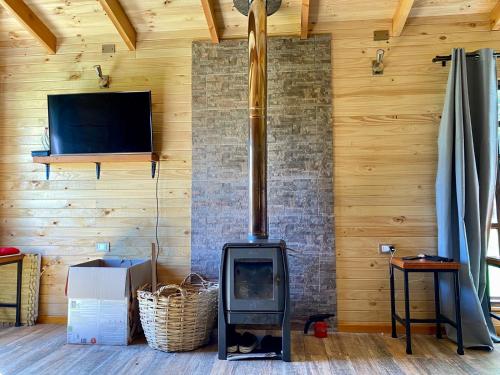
(151, 157)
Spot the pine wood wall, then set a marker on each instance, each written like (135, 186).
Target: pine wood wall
(385, 132)
(64, 217)
(385, 156)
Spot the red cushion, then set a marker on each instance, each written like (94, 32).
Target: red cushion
(8, 251)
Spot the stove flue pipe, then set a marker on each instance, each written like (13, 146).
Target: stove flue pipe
(257, 110)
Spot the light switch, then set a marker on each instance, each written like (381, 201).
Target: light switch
(102, 247)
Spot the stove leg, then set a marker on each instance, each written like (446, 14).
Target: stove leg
(286, 342)
(222, 339)
(221, 316)
(286, 336)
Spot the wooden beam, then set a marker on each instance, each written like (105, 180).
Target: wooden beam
(304, 20)
(210, 16)
(495, 17)
(400, 16)
(115, 12)
(32, 23)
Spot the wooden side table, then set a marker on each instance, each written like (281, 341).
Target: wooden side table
(423, 265)
(9, 259)
(491, 262)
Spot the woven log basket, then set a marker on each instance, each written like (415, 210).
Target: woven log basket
(181, 317)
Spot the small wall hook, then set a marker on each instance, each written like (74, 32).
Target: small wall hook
(103, 80)
(378, 63)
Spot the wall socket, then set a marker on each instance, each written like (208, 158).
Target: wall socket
(384, 248)
(102, 247)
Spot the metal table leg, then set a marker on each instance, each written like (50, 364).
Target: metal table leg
(458, 315)
(18, 294)
(393, 302)
(407, 314)
(437, 304)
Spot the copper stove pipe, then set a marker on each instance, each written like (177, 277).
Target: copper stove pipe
(257, 110)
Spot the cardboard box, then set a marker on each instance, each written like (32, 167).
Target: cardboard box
(102, 300)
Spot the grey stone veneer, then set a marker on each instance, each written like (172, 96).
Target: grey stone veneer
(300, 187)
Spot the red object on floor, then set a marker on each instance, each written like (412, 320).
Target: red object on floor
(9, 251)
(321, 329)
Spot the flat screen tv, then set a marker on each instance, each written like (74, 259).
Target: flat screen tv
(117, 122)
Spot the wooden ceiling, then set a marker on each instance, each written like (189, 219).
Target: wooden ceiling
(191, 18)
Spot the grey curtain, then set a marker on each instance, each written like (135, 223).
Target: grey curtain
(465, 187)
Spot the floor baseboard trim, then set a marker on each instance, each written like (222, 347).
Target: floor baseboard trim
(424, 329)
(51, 319)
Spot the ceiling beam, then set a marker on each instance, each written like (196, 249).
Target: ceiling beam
(32, 23)
(210, 16)
(400, 16)
(304, 20)
(495, 17)
(115, 12)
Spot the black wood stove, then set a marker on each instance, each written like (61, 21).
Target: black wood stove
(254, 290)
(254, 283)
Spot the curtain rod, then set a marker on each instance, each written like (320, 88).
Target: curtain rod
(444, 59)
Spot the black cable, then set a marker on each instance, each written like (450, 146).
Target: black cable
(157, 216)
(393, 251)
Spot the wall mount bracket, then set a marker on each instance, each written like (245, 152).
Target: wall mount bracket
(379, 35)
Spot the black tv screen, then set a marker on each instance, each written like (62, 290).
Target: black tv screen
(118, 122)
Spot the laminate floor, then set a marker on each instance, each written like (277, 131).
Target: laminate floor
(42, 349)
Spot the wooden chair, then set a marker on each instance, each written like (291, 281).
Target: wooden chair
(424, 265)
(9, 259)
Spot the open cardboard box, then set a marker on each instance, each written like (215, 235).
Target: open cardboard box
(102, 300)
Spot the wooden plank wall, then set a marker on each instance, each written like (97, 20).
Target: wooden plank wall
(385, 151)
(385, 132)
(64, 217)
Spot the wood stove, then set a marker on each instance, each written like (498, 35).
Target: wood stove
(254, 290)
(254, 284)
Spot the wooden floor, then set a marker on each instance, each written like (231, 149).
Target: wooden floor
(42, 350)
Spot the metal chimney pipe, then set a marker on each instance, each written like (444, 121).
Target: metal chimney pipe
(257, 110)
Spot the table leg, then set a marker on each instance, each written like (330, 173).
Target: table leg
(407, 314)
(488, 287)
(437, 304)
(18, 294)
(458, 315)
(393, 302)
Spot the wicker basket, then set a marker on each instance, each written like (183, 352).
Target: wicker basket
(178, 317)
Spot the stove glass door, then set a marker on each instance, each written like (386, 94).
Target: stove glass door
(253, 279)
